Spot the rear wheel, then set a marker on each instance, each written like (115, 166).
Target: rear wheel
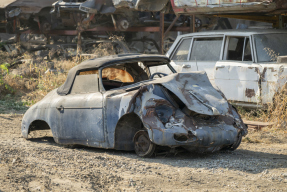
(143, 145)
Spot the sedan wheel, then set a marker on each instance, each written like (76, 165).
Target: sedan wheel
(143, 146)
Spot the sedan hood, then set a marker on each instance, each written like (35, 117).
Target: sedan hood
(196, 92)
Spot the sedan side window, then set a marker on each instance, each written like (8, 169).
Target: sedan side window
(85, 83)
(238, 49)
(206, 49)
(181, 53)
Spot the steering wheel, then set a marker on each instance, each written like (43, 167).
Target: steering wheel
(158, 74)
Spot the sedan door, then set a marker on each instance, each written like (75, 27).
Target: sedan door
(199, 53)
(180, 56)
(81, 113)
(205, 52)
(237, 76)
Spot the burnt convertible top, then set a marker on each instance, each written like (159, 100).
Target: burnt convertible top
(96, 63)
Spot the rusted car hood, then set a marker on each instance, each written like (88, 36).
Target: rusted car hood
(36, 3)
(231, 6)
(196, 92)
(5, 3)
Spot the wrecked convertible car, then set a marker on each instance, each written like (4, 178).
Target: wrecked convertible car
(122, 102)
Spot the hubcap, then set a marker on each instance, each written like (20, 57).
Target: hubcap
(143, 143)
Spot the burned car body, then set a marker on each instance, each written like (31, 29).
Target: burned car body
(127, 13)
(3, 5)
(231, 6)
(27, 13)
(69, 51)
(121, 14)
(114, 102)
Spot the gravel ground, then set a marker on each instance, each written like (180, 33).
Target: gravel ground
(39, 164)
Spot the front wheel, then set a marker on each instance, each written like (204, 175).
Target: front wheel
(143, 145)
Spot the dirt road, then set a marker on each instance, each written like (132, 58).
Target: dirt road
(39, 164)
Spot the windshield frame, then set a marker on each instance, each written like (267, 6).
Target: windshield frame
(136, 84)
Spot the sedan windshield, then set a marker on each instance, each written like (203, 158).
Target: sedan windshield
(270, 46)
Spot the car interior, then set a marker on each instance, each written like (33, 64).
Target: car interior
(237, 46)
(121, 75)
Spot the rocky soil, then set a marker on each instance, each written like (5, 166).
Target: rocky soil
(39, 164)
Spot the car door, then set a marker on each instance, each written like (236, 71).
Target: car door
(180, 56)
(237, 76)
(81, 112)
(205, 52)
(202, 55)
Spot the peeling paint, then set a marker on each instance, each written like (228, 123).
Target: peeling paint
(249, 93)
(222, 6)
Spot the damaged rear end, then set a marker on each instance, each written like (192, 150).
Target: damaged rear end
(185, 110)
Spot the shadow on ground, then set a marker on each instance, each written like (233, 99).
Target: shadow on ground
(241, 159)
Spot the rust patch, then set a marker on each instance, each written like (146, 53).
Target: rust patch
(263, 75)
(249, 93)
(272, 69)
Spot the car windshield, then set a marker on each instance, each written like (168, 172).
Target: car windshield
(127, 74)
(270, 46)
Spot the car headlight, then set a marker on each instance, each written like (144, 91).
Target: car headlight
(163, 112)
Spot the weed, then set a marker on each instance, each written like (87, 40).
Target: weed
(30, 81)
(8, 104)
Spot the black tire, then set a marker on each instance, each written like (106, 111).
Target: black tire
(237, 142)
(143, 145)
(45, 26)
(9, 27)
(235, 145)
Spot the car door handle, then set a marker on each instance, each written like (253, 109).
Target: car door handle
(61, 108)
(217, 67)
(186, 66)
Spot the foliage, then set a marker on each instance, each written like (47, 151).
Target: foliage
(29, 82)
(9, 104)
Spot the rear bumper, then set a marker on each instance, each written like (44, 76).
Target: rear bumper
(215, 136)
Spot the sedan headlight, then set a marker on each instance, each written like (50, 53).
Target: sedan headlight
(164, 112)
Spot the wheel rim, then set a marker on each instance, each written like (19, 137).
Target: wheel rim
(143, 145)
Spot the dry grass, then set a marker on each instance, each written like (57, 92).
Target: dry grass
(32, 80)
(44, 80)
(276, 113)
(266, 135)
